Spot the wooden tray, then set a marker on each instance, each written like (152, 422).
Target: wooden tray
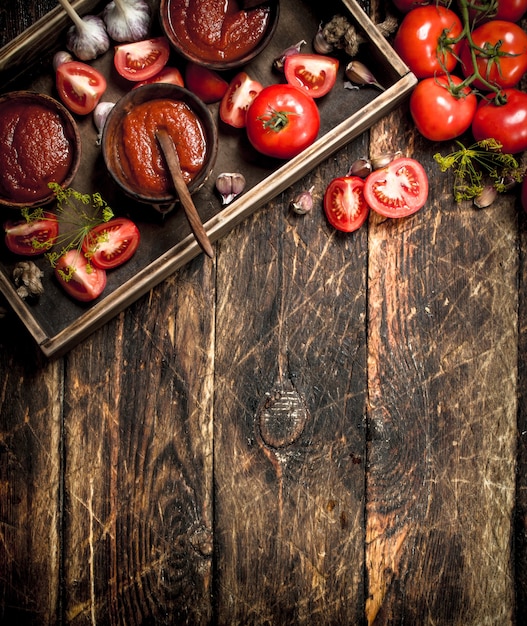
(55, 321)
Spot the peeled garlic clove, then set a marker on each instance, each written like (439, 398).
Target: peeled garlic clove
(278, 63)
(359, 74)
(302, 203)
(230, 185)
(361, 167)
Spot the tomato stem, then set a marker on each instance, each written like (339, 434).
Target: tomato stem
(276, 121)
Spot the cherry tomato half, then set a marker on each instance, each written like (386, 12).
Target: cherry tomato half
(32, 237)
(242, 90)
(111, 244)
(141, 60)
(344, 203)
(397, 190)
(80, 86)
(170, 75)
(314, 73)
(78, 277)
(205, 83)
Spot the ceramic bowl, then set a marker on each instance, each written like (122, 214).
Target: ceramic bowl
(187, 46)
(23, 109)
(112, 133)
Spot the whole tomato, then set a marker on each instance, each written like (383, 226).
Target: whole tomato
(438, 112)
(510, 10)
(423, 40)
(506, 123)
(501, 53)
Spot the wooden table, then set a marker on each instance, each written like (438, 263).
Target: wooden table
(314, 428)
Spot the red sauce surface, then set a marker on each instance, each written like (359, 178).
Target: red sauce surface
(34, 150)
(217, 30)
(140, 157)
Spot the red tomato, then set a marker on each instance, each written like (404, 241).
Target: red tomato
(397, 190)
(111, 244)
(438, 113)
(141, 60)
(79, 279)
(80, 86)
(510, 10)
(344, 203)
(242, 90)
(205, 83)
(422, 40)
(407, 5)
(32, 237)
(282, 121)
(314, 73)
(170, 75)
(506, 123)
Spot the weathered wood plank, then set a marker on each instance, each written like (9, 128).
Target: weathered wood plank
(138, 468)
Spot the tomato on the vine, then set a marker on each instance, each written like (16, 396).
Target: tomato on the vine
(205, 83)
(111, 243)
(80, 86)
(439, 114)
(501, 54)
(506, 123)
(344, 203)
(315, 73)
(79, 278)
(424, 40)
(32, 237)
(510, 10)
(282, 121)
(141, 60)
(397, 190)
(242, 90)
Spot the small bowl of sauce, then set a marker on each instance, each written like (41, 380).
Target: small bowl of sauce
(131, 150)
(39, 143)
(218, 34)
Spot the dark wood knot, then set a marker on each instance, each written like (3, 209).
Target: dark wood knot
(282, 416)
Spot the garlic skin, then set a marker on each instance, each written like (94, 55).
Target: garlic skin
(90, 41)
(127, 20)
(28, 279)
(230, 185)
(100, 113)
(302, 203)
(359, 74)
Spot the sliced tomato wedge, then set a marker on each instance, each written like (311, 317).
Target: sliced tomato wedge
(79, 278)
(112, 243)
(170, 75)
(141, 60)
(344, 203)
(80, 86)
(242, 90)
(397, 190)
(314, 73)
(205, 83)
(33, 236)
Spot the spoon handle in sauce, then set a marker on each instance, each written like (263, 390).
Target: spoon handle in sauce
(172, 159)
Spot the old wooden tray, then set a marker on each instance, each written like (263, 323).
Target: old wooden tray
(55, 321)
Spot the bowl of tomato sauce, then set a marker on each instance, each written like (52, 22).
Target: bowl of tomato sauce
(131, 150)
(39, 144)
(218, 34)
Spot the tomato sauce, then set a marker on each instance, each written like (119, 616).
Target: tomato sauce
(140, 156)
(34, 150)
(217, 30)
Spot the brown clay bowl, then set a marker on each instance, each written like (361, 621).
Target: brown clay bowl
(112, 144)
(185, 45)
(23, 109)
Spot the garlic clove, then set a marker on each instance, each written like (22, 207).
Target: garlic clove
(302, 203)
(382, 160)
(320, 43)
(279, 61)
(485, 197)
(230, 185)
(100, 113)
(359, 74)
(361, 167)
(127, 20)
(61, 57)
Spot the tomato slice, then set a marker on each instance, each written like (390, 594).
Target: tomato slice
(80, 86)
(141, 60)
(205, 83)
(314, 73)
(112, 243)
(170, 75)
(32, 237)
(397, 190)
(344, 203)
(78, 277)
(242, 90)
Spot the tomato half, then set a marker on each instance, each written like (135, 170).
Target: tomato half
(242, 90)
(141, 60)
(397, 190)
(170, 75)
(344, 203)
(80, 86)
(423, 40)
(111, 244)
(438, 113)
(32, 237)
(314, 73)
(282, 121)
(78, 277)
(506, 123)
(205, 83)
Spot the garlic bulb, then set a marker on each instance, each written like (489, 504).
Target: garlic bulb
(87, 38)
(127, 20)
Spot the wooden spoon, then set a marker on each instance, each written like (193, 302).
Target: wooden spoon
(172, 159)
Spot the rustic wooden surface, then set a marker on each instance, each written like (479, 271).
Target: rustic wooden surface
(314, 428)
